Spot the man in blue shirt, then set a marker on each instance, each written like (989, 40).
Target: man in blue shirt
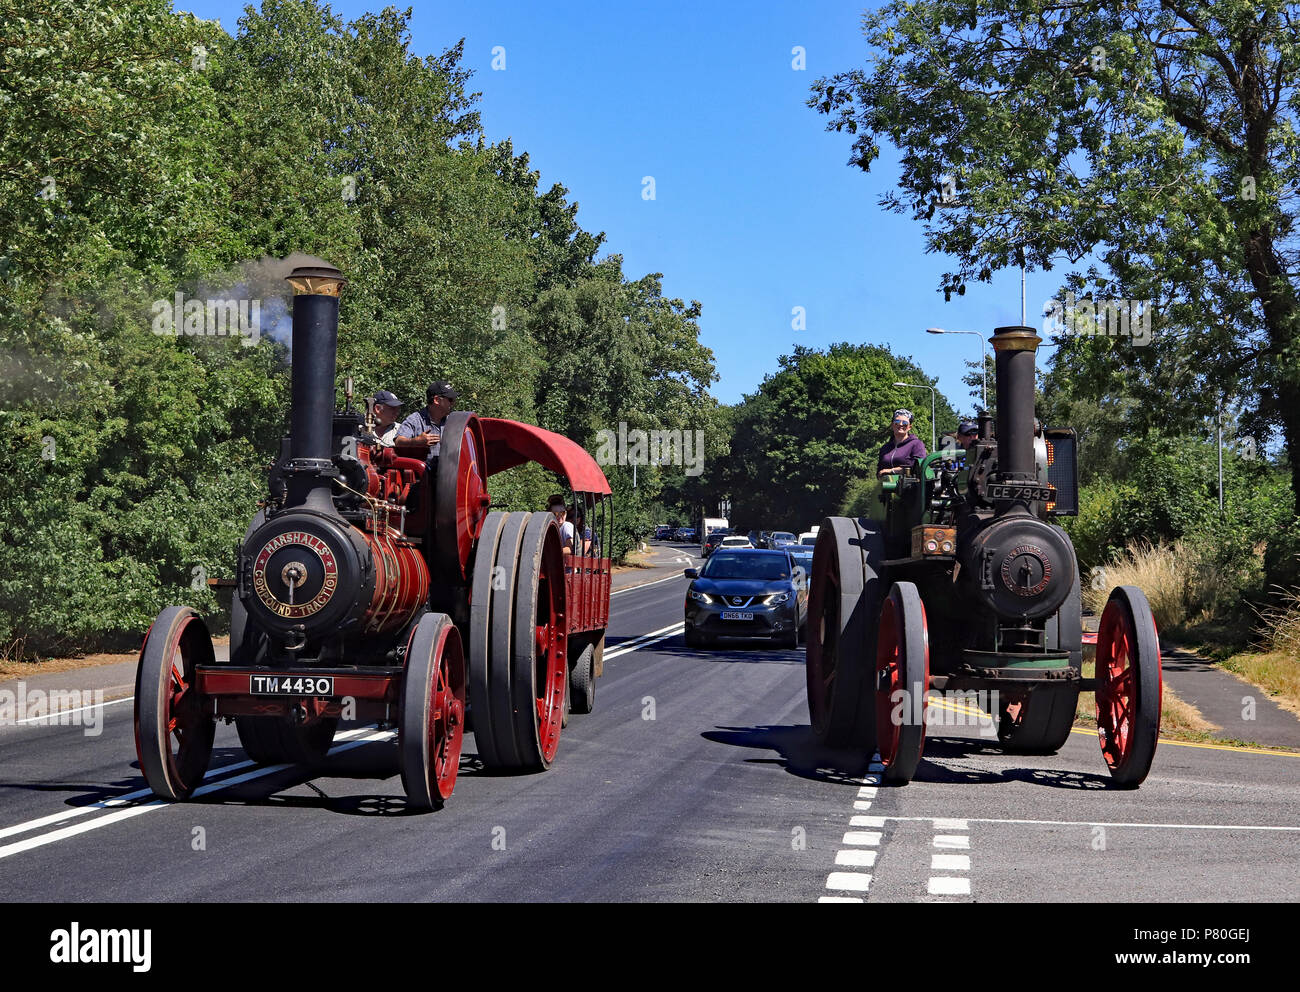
(425, 425)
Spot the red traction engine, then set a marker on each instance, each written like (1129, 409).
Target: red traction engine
(376, 587)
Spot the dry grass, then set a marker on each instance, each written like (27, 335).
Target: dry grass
(1179, 719)
(1180, 583)
(12, 668)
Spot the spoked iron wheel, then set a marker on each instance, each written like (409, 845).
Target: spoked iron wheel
(540, 660)
(462, 496)
(173, 733)
(843, 604)
(432, 713)
(1129, 685)
(902, 679)
(481, 616)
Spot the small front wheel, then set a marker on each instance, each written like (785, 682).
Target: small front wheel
(1129, 685)
(173, 733)
(432, 713)
(902, 680)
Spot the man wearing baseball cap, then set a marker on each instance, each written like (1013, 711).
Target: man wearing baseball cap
(385, 405)
(425, 425)
(967, 433)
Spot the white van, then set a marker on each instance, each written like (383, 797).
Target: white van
(707, 526)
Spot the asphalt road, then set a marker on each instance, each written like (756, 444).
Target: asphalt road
(696, 778)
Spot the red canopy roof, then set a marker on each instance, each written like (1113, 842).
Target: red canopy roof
(510, 443)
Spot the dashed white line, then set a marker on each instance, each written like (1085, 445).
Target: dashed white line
(954, 841)
(849, 881)
(862, 838)
(941, 885)
(856, 858)
(950, 862)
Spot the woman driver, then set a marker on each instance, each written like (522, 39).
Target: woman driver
(903, 449)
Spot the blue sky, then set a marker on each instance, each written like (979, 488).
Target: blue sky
(755, 210)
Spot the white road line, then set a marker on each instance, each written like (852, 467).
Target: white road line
(943, 823)
(867, 792)
(862, 838)
(342, 744)
(950, 862)
(856, 859)
(646, 585)
(862, 804)
(867, 821)
(1100, 823)
(838, 899)
(645, 640)
(849, 881)
(942, 885)
(952, 841)
(52, 718)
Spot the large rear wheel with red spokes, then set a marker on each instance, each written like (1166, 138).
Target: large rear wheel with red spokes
(843, 607)
(539, 662)
(173, 732)
(432, 712)
(1129, 685)
(902, 680)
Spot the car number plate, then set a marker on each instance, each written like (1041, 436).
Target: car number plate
(291, 685)
(734, 615)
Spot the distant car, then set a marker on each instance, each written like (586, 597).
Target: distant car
(745, 592)
(780, 538)
(662, 531)
(808, 540)
(713, 540)
(735, 541)
(685, 534)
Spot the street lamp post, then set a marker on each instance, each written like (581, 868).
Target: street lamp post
(934, 437)
(984, 363)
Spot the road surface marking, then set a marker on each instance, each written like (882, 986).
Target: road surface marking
(80, 709)
(40, 840)
(943, 885)
(646, 585)
(953, 841)
(856, 859)
(1100, 823)
(867, 838)
(1208, 747)
(867, 792)
(849, 881)
(838, 899)
(645, 640)
(867, 821)
(950, 862)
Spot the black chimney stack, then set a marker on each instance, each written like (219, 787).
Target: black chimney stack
(315, 346)
(1015, 348)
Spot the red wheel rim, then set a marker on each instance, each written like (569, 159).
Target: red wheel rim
(1117, 688)
(550, 674)
(181, 713)
(889, 680)
(447, 713)
(471, 501)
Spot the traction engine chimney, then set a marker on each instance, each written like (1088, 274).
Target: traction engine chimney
(315, 345)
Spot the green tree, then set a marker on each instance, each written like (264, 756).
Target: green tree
(817, 425)
(1159, 138)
